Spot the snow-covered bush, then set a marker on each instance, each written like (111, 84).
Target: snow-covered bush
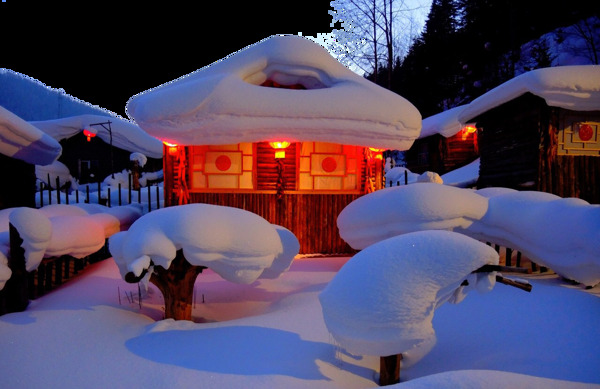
(562, 234)
(383, 299)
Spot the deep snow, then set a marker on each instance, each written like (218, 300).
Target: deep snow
(271, 334)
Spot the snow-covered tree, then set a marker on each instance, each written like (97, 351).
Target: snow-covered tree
(175, 244)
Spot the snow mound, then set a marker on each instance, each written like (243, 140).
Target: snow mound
(402, 209)
(21, 140)
(282, 262)
(36, 231)
(489, 379)
(562, 234)
(224, 103)
(383, 299)
(238, 245)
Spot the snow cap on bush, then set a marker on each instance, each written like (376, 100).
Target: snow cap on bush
(383, 299)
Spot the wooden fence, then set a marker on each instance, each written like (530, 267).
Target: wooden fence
(48, 195)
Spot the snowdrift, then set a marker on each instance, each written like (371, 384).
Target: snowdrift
(383, 299)
(562, 234)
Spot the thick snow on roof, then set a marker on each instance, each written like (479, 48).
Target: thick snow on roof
(224, 103)
(575, 88)
(125, 134)
(236, 244)
(445, 123)
(560, 233)
(21, 140)
(383, 300)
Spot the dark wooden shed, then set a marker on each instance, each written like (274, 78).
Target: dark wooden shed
(541, 131)
(444, 144)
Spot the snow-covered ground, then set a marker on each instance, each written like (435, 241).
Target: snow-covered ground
(271, 334)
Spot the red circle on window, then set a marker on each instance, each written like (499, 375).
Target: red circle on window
(585, 132)
(223, 163)
(329, 165)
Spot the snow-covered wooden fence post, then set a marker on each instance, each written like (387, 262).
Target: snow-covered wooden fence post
(15, 291)
(389, 369)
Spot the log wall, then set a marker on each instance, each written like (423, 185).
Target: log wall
(311, 217)
(509, 138)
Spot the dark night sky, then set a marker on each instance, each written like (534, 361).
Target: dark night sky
(103, 53)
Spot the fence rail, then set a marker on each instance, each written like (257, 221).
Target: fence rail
(152, 197)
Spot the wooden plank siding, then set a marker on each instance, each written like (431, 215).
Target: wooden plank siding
(518, 149)
(509, 139)
(311, 217)
(438, 154)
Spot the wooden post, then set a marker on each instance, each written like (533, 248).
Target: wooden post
(389, 370)
(16, 289)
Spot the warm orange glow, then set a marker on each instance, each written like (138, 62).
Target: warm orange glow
(171, 148)
(467, 130)
(89, 134)
(279, 145)
(376, 150)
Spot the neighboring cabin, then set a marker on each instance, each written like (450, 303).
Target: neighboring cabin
(443, 145)
(65, 117)
(541, 131)
(281, 129)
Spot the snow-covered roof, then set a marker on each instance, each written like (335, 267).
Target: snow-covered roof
(21, 140)
(575, 88)
(444, 123)
(225, 103)
(126, 134)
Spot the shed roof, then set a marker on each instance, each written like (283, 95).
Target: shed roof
(126, 135)
(575, 88)
(445, 123)
(224, 103)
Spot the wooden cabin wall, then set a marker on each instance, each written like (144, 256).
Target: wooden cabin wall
(509, 143)
(458, 152)
(568, 175)
(311, 217)
(426, 154)
(438, 154)
(267, 167)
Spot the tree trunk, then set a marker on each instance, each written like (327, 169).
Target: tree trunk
(389, 370)
(15, 293)
(177, 286)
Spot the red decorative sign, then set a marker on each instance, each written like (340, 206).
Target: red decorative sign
(586, 132)
(223, 163)
(329, 164)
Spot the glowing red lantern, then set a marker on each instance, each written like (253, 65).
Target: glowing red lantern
(89, 134)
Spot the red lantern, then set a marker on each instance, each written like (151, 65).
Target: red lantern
(89, 134)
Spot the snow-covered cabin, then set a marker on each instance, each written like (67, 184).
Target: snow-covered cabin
(444, 144)
(22, 146)
(86, 142)
(541, 131)
(65, 117)
(281, 129)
